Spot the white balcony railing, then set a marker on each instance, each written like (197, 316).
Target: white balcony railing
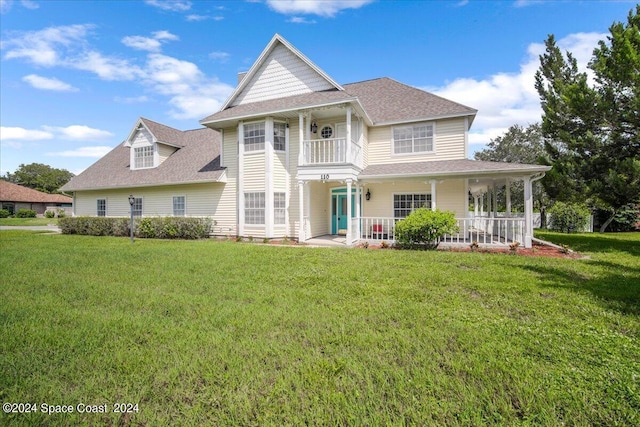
(484, 231)
(324, 151)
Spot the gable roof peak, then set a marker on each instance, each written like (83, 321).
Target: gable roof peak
(275, 41)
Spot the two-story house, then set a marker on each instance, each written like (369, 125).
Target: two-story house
(294, 153)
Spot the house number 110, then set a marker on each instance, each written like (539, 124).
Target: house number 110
(324, 176)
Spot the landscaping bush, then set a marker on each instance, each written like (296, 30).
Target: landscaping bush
(49, 214)
(25, 213)
(150, 228)
(61, 213)
(4, 213)
(94, 226)
(424, 228)
(569, 217)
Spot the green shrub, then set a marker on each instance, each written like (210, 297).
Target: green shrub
(569, 217)
(61, 213)
(25, 213)
(149, 228)
(4, 213)
(424, 227)
(49, 214)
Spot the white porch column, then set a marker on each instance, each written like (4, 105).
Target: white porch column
(482, 204)
(476, 204)
(357, 231)
(268, 177)
(507, 191)
(349, 207)
(348, 141)
(433, 195)
(301, 231)
(528, 213)
(495, 200)
(240, 197)
(301, 138)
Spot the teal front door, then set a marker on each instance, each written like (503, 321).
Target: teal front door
(339, 213)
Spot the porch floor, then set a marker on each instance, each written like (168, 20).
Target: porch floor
(326, 240)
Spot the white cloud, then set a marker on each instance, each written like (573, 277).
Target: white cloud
(78, 132)
(142, 43)
(505, 99)
(22, 134)
(164, 35)
(46, 47)
(301, 20)
(47, 83)
(219, 56)
(97, 152)
(171, 5)
(30, 4)
(151, 44)
(107, 68)
(325, 8)
(132, 99)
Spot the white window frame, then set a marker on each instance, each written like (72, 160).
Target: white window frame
(428, 203)
(253, 146)
(184, 205)
(279, 208)
(104, 210)
(136, 211)
(414, 139)
(283, 137)
(144, 157)
(254, 208)
(333, 131)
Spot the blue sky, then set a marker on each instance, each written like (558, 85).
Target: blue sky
(76, 75)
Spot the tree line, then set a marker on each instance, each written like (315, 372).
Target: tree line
(589, 131)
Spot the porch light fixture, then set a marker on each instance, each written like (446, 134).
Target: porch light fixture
(132, 200)
(368, 195)
(314, 127)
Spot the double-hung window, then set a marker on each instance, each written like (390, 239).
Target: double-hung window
(101, 207)
(179, 205)
(413, 139)
(404, 204)
(279, 136)
(279, 208)
(254, 136)
(143, 157)
(254, 208)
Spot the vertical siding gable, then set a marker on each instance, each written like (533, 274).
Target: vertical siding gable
(142, 137)
(282, 74)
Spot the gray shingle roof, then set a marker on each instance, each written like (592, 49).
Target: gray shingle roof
(384, 100)
(387, 101)
(164, 133)
(197, 161)
(461, 167)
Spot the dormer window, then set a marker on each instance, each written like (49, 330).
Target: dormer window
(143, 157)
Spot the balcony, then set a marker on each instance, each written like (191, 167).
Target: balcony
(333, 151)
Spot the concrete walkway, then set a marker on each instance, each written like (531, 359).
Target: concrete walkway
(50, 228)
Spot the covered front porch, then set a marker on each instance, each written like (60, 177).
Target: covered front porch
(379, 201)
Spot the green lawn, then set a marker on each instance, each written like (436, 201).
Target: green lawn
(223, 333)
(28, 221)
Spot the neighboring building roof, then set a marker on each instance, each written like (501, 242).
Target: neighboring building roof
(10, 192)
(442, 168)
(383, 100)
(197, 161)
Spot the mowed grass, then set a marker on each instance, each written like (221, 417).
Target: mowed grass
(28, 221)
(223, 333)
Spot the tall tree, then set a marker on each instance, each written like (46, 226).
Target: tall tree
(520, 145)
(39, 177)
(594, 128)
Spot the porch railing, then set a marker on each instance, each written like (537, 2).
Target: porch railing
(484, 231)
(324, 151)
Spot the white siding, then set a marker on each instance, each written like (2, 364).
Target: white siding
(164, 151)
(282, 74)
(201, 200)
(449, 144)
(254, 172)
(293, 207)
(279, 172)
(142, 137)
(450, 196)
(227, 205)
